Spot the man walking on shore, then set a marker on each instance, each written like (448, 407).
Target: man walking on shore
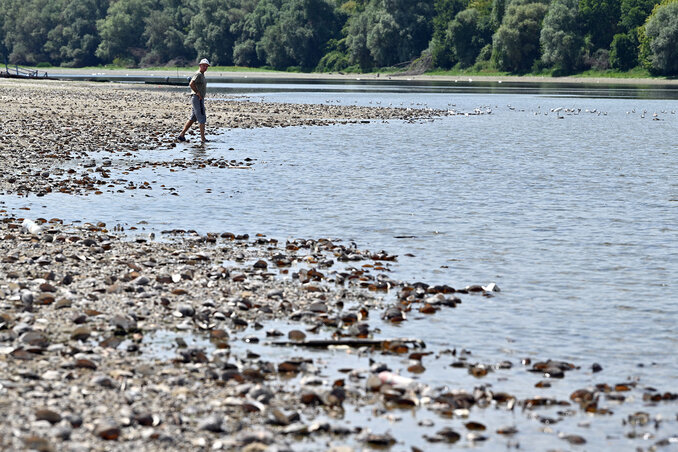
(198, 85)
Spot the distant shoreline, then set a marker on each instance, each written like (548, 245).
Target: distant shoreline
(102, 72)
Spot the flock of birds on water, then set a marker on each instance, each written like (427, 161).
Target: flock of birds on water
(559, 111)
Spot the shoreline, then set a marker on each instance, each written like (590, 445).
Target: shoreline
(117, 342)
(48, 137)
(114, 344)
(102, 72)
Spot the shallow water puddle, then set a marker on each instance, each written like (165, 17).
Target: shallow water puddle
(166, 344)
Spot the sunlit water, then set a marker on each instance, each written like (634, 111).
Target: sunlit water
(574, 216)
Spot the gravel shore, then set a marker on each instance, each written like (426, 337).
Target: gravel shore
(50, 129)
(154, 343)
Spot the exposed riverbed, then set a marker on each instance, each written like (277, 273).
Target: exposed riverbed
(566, 203)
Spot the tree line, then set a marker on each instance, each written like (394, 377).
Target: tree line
(516, 36)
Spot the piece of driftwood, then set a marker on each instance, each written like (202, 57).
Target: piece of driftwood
(377, 343)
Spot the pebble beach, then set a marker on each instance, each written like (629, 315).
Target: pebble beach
(81, 305)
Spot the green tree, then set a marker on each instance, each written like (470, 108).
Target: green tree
(624, 49)
(382, 39)
(624, 52)
(600, 19)
(356, 42)
(415, 27)
(3, 48)
(122, 30)
(74, 39)
(211, 32)
(441, 48)
(561, 38)
(247, 50)
(392, 31)
(165, 33)
(27, 25)
(300, 34)
(244, 48)
(515, 45)
(497, 13)
(468, 33)
(334, 60)
(245, 53)
(634, 13)
(660, 39)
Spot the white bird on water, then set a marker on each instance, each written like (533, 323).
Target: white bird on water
(557, 111)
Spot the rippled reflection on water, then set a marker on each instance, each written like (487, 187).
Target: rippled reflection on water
(574, 218)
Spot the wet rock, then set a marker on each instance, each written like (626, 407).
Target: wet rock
(35, 339)
(380, 440)
(639, 418)
(573, 439)
(84, 363)
(475, 426)
(21, 328)
(373, 383)
(124, 324)
(108, 429)
(318, 307)
(62, 432)
(552, 369)
(296, 335)
(74, 420)
(48, 415)
(256, 436)
(193, 355)
(447, 435)
(104, 381)
(27, 300)
(81, 333)
(310, 398)
(297, 428)
(274, 293)
(393, 314)
(479, 370)
(37, 443)
(141, 281)
(476, 437)
(185, 310)
(509, 430)
(474, 288)
(47, 287)
(44, 299)
(213, 423)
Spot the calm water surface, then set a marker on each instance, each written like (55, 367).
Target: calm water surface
(574, 216)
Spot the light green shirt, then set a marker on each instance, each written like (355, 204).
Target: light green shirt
(200, 83)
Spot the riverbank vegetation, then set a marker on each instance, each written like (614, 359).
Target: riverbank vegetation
(550, 37)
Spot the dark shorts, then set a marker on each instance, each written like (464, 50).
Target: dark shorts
(198, 114)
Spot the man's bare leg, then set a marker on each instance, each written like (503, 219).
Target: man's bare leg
(202, 132)
(188, 125)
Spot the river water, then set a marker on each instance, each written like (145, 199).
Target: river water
(572, 213)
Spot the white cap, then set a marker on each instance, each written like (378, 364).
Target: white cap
(205, 61)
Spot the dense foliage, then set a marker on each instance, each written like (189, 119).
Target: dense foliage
(517, 36)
